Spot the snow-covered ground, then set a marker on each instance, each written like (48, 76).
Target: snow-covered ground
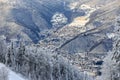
(14, 76)
(82, 20)
(11, 75)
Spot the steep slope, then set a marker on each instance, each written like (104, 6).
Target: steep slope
(27, 19)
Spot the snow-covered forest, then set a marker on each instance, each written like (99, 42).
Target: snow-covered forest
(59, 40)
(111, 66)
(39, 64)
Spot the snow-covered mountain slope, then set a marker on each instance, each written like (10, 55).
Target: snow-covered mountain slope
(30, 20)
(27, 19)
(90, 36)
(7, 73)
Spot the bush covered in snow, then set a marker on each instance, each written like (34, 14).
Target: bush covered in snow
(59, 20)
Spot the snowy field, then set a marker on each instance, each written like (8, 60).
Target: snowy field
(5, 72)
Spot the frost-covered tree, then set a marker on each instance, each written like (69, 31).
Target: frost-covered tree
(116, 50)
(111, 66)
(19, 58)
(3, 49)
(59, 20)
(108, 68)
(116, 44)
(10, 56)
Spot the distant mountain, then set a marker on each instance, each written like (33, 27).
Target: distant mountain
(27, 19)
(87, 33)
(86, 30)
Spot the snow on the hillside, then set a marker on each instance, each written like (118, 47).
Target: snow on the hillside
(14, 76)
(110, 35)
(72, 5)
(82, 20)
(11, 75)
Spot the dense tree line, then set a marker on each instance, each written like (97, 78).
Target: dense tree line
(116, 50)
(111, 67)
(39, 63)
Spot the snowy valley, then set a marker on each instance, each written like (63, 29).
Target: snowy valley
(59, 40)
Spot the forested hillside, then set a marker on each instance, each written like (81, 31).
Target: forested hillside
(59, 39)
